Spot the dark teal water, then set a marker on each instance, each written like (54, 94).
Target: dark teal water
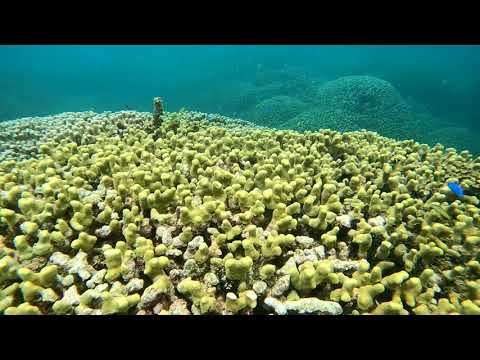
(441, 81)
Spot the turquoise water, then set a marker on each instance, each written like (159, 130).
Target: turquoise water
(271, 84)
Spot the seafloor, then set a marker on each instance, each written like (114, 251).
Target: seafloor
(189, 213)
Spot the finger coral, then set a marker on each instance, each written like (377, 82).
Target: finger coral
(202, 214)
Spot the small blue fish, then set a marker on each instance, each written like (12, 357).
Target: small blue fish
(456, 189)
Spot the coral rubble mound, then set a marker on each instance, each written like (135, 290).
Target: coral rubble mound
(219, 217)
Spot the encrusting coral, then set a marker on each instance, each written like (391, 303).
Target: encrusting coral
(215, 216)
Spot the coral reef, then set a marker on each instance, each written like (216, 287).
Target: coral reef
(216, 216)
(241, 98)
(374, 103)
(289, 98)
(318, 118)
(352, 103)
(22, 138)
(456, 137)
(275, 111)
(360, 94)
(289, 80)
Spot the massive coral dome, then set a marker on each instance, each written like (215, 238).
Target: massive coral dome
(361, 94)
(208, 215)
(373, 103)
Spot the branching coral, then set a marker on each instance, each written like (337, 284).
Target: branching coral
(217, 216)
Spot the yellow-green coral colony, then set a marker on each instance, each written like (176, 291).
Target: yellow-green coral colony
(207, 215)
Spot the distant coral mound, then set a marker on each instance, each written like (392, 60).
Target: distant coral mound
(365, 95)
(366, 101)
(250, 96)
(290, 82)
(274, 112)
(265, 76)
(455, 137)
(319, 118)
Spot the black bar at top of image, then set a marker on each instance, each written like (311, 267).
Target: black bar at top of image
(240, 38)
(241, 24)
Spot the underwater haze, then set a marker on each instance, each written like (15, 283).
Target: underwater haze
(425, 93)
